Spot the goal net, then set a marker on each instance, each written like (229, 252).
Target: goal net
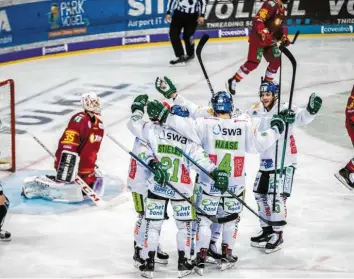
(7, 125)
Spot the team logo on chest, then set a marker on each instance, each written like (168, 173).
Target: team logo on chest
(95, 138)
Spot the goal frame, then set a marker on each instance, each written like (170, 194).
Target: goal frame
(11, 83)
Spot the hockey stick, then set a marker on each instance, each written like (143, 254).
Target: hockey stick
(200, 46)
(278, 110)
(295, 37)
(84, 187)
(269, 223)
(292, 59)
(214, 219)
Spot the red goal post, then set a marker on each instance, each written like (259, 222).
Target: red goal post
(7, 125)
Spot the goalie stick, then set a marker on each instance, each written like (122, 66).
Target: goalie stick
(84, 187)
(200, 47)
(214, 219)
(269, 223)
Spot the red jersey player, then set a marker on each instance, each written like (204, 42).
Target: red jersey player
(346, 174)
(267, 30)
(76, 155)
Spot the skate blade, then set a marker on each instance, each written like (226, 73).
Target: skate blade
(184, 273)
(211, 260)
(5, 239)
(147, 274)
(199, 271)
(161, 261)
(342, 180)
(258, 244)
(181, 64)
(269, 251)
(137, 264)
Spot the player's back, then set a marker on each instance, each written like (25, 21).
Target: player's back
(225, 142)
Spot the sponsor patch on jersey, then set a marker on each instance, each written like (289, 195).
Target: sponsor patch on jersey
(217, 129)
(78, 118)
(263, 14)
(267, 163)
(95, 138)
(100, 125)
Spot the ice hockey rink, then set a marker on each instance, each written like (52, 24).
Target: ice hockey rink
(52, 241)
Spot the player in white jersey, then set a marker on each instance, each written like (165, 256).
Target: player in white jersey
(272, 237)
(171, 166)
(225, 140)
(137, 179)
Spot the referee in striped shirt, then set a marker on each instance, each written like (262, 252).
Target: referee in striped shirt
(187, 14)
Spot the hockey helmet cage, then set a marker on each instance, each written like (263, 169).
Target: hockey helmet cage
(91, 102)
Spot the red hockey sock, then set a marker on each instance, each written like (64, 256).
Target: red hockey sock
(350, 165)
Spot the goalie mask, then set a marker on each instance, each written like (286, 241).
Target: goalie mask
(91, 102)
(222, 102)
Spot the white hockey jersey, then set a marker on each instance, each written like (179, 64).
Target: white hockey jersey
(138, 175)
(226, 141)
(163, 141)
(267, 157)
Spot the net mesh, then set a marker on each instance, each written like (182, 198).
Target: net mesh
(6, 124)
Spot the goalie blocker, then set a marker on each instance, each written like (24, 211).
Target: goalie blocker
(68, 166)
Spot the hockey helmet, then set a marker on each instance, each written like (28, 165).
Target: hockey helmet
(222, 102)
(91, 102)
(269, 86)
(179, 111)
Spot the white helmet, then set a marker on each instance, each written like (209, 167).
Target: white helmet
(91, 102)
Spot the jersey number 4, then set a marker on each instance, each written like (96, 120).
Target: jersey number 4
(226, 161)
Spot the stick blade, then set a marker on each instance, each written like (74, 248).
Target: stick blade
(277, 223)
(201, 44)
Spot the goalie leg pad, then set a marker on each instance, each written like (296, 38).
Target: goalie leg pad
(46, 188)
(98, 186)
(68, 166)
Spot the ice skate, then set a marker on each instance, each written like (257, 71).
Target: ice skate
(213, 256)
(263, 237)
(231, 86)
(184, 266)
(5, 236)
(189, 58)
(180, 60)
(275, 243)
(161, 257)
(138, 261)
(200, 260)
(147, 269)
(346, 177)
(227, 259)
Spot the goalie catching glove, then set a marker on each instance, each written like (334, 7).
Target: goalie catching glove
(165, 86)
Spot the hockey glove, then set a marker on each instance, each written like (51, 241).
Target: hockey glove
(157, 111)
(221, 179)
(288, 116)
(161, 175)
(139, 103)
(267, 37)
(165, 86)
(277, 123)
(285, 41)
(314, 104)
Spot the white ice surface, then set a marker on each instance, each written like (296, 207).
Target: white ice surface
(96, 243)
